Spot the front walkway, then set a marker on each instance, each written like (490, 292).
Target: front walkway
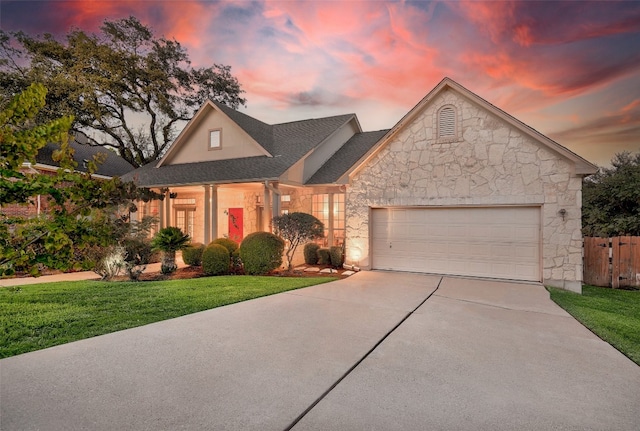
(373, 351)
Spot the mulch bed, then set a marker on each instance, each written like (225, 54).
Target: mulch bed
(196, 272)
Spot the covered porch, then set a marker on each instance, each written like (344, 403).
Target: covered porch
(234, 210)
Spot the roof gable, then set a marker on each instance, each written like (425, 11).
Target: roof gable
(291, 143)
(582, 166)
(240, 136)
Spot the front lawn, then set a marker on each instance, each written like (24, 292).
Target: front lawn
(43, 315)
(612, 314)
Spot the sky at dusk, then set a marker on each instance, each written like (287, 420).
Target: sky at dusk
(569, 69)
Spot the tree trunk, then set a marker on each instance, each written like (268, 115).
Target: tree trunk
(168, 264)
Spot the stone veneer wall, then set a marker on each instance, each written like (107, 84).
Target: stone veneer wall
(489, 163)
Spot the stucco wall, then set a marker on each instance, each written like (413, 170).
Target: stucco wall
(489, 163)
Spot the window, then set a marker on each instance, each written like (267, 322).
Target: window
(215, 139)
(338, 219)
(447, 122)
(184, 220)
(320, 210)
(329, 208)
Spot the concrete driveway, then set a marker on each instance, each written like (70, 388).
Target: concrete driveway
(375, 351)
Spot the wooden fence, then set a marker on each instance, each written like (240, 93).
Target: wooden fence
(612, 262)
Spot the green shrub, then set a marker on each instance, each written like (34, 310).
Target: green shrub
(261, 252)
(227, 243)
(324, 256)
(215, 260)
(192, 255)
(138, 254)
(335, 255)
(169, 240)
(311, 253)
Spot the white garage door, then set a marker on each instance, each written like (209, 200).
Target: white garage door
(497, 242)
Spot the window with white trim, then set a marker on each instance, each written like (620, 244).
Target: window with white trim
(215, 139)
(329, 208)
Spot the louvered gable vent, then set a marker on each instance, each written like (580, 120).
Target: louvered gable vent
(447, 122)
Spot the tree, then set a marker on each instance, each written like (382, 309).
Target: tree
(77, 218)
(297, 228)
(128, 86)
(611, 198)
(169, 240)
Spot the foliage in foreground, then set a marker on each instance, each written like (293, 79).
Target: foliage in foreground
(39, 316)
(81, 216)
(612, 314)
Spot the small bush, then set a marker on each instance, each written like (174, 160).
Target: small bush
(236, 263)
(138, 254)
(112, 263)
(261, 252)
(311, 253)
(324, 256)
(192, 255)
(335, 255)
(227, 243)
(215, 260)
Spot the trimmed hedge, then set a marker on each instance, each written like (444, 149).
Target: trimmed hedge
(192, 255)
(311, 253)
(261, 252)
(324, 256)
(335, 255)
(227, 243)
(215, 260)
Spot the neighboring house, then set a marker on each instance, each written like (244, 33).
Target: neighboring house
(456, 187)
(112, 165)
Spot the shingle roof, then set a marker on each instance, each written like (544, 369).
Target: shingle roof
(346, 157)
(112, 166)
(286, 142)
(259, 131)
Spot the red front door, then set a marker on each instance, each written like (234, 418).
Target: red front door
(235, 224)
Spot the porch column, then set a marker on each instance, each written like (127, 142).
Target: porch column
(275, 198)
(330, 221)
(167, 209)
(266, 214)
(161, 214)
(214, 212)
(207, 214)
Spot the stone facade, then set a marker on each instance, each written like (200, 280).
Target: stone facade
(487, 162)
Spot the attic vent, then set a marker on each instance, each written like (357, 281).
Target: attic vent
(447, 122)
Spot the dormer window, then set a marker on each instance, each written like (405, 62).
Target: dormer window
(215, 139)
(447, 122)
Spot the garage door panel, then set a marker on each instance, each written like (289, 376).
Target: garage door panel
(527, 233)
(495, 242)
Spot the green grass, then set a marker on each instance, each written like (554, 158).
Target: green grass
(43, 315)
(612, 314)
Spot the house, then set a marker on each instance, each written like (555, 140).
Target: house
(457, 186)
(111, 165)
